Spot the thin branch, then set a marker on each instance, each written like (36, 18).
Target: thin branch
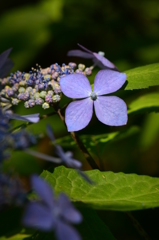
(78, 142)
(137, 226)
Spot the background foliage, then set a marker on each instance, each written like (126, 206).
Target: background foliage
(127, 31)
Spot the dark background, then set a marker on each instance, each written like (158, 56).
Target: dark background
(43, 31)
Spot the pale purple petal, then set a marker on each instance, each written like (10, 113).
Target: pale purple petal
(72, 163)
(79, 53)
(108, 81)
(78, 114)
(37, 216)
(75, 86)
(43, 156)
(111, 110)
(104, 61)
(64, 231)
(43, 189)
(68, 211)
(69, 154)
(50, 132)
(34, 118)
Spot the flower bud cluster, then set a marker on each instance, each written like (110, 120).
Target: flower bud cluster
(39, 86)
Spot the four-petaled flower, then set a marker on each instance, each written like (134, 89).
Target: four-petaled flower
(51, 213)
(98, 58)
(110, 110)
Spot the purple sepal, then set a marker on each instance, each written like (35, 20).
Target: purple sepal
(111, 110)
(108, 81)
(79, 53)
(66, 232)
(37, 216)
(68, 211)
(78, 114)
(43, 189)
(34, 118)
(75, 86)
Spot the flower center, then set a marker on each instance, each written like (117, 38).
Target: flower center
(93, 96)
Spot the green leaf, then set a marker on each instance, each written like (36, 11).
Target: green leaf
(143, 77)
(112, 191)
(147, 103)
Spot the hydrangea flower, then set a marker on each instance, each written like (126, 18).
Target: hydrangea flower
(110, 110)
(51, 213)
(98, 58)
(66, 157)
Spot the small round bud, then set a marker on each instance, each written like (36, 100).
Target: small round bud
(26, 76)
(48, 98)
(50, 92)
(47, 77)
(72, 65)
(81, 67)
(22, 83)
(39, 101)
(101, 53)
(15, 101)
(45, 105)
(21, 90)
(9, 92)
(29, 89)
(42, 94)
(36, 95)
(4, 81)
(26, 105)
(79, 71)
(56, 98)
(41, 86)
(88, 71)
(56, 87)
(31, 103)
(55, 75)
(15, 87)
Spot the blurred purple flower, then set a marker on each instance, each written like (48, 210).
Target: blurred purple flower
(51, 213)
(5, 63)
(98, 58)
(110, 110)
(66, 157)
